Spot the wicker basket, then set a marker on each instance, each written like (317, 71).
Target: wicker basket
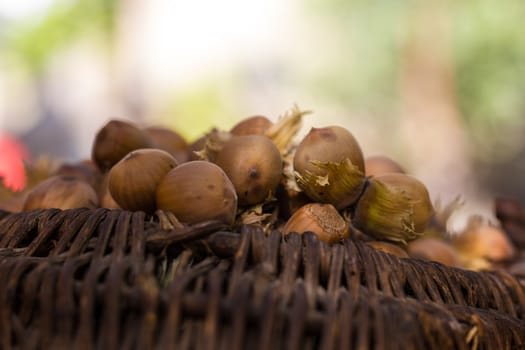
(115, 279)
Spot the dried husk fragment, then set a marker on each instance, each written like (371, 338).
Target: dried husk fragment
(340, 185)
(285, 129)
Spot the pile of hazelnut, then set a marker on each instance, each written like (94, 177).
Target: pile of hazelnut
(256, 174)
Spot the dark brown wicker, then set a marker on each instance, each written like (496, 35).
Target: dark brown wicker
(113, 279)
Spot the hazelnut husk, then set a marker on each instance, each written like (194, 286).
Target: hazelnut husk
(393, 207)
(196, 147)
(170, 141)
(198, 191)
(320, 218)
(377, 165)
(329, 166)
(254, 165)
(255, 125)
(134, 179)
(213, 143)
(116, 139)
(284, 130)
(62, 192)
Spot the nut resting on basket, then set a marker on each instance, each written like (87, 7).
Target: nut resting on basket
(393, 206)
(198, 191)
(253, 164)
(245, 175)
(257, 173)
(321, 219)
(329, 166)
(133, 181)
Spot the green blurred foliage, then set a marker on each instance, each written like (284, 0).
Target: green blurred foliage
(362, 64)
(488, 49)
(489, 58)
(192, 111)
(357, 50)
(32, 43)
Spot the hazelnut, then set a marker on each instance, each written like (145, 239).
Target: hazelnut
(393, 207)
(133, 181)
(377, 165)
(198, 191)
(62, 192)
(321, 219)
(116, 139)
(169, 141)
(329, 166)
(255, 125)
(253, 164)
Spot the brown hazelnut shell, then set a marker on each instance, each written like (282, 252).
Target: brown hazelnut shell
(329, 166)
(377, 165)
(389, 248)
(254, 165)
(434, 249)
(104, 196)
(84, 170)
(320, 218)
(133, 181)
(255, 125)
(170, 141)
(62, 192)
(198, 191)
(116, 139)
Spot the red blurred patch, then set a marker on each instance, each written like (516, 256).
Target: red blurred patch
(12, 156)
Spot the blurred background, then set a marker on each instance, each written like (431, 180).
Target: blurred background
(436, 85)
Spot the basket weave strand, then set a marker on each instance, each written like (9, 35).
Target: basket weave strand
(113, 279)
